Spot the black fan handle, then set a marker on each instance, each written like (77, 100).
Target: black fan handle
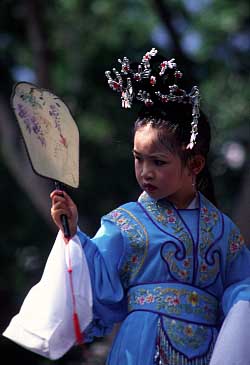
(64, 218)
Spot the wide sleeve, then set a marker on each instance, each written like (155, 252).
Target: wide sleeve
(104, 254)
(233, 343)
(237, 282)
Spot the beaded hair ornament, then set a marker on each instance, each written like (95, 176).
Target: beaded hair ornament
(154, 81)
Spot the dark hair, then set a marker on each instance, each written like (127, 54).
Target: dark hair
(173, 122)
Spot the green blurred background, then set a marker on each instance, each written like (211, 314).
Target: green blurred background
(66, 46)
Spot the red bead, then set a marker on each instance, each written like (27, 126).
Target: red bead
(178, 74)
(148, 102)
(164, 99)
(137, 77)
(152, 80)
(116, 85)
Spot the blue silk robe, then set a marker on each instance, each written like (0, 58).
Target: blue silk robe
(164, 273)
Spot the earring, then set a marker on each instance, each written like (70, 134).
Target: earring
(194, 183)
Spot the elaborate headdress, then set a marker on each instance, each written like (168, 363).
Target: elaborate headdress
(154, 81)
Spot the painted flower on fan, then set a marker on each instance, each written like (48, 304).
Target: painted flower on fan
(63, 141)
(22, 112)
(31, 123)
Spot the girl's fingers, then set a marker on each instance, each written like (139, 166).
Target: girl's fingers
(59, 204)
(58, 200)
(61, 194)
(62, 204)
(59, 212)
(57, 196)
(56, 192)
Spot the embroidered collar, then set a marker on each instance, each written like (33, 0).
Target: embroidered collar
(190, 260)
(194, 204)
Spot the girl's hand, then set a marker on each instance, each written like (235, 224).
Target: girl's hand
(63, 204)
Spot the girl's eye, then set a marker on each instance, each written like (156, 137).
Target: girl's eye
(159, 162)
(137, 158)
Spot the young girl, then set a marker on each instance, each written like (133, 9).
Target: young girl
(170, 265)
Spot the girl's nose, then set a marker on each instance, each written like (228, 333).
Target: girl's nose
(147, 172)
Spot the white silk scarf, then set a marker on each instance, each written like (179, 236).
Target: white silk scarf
(44, 324)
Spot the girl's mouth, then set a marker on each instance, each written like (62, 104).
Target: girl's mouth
(150, 188)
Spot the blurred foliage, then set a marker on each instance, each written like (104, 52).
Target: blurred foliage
(83, 39)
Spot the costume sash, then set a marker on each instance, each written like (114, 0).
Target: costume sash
(175, 301)
(186, 324)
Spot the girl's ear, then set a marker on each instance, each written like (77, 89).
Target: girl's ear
(196, 164)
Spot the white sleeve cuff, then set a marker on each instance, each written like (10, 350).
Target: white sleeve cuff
(44, 324)
(233, 343)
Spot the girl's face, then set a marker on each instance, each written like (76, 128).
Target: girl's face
(158, 171)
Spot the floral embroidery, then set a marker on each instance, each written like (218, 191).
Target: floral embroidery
(179, 302)
(175, 337)
(209, 225)
(193, 299)
(187, 335)
(235, 244)
(188, 330)
(187, 262)
(138, 238)
(179, 254)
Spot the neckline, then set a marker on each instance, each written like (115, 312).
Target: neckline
(193, 205)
